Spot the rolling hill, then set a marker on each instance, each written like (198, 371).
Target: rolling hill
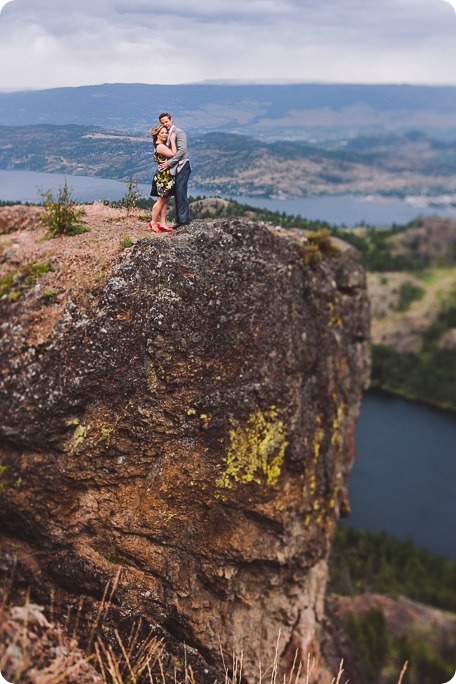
(300, 111)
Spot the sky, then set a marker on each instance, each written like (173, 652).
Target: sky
(51, 43)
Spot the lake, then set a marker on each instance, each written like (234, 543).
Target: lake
(404, 475)
(349, 210)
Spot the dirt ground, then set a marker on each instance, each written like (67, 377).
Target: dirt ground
(79, 264)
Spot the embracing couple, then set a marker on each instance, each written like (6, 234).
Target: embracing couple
(171, 177)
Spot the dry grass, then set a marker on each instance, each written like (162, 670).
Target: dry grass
(34, 650)
(134, 664)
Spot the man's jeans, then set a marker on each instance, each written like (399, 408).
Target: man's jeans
(182, 208)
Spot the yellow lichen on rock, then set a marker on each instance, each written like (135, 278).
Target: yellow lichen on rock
(310, 483)
(337, 439)
(256, 451)
(334, 316)
(79, 436)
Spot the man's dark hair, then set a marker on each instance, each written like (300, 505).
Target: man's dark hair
(164, 114)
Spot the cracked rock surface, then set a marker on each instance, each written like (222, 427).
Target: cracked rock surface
(193, 431)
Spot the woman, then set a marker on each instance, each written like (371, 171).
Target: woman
(163, 182)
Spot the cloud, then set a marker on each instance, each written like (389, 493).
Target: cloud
(45, 43)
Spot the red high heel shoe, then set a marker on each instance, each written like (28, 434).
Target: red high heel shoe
(154, 229)
(166, 229)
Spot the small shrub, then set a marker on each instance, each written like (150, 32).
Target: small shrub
(371, 636)
(408, 293)
(125, 242)
(132, 196)
(318, 244)
(322, 239)
(48, 296)
(14, 284)
(312, 255)
(62, 214)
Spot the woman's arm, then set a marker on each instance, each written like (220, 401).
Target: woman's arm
(164, 150)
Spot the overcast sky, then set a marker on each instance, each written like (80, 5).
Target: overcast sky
(49, 43)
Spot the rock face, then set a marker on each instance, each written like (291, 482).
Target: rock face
(194, 430)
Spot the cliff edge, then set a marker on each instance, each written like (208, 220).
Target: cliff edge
(188, 430)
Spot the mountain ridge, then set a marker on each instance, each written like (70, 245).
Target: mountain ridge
(298, 110)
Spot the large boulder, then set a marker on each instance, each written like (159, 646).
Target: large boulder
(193, 429)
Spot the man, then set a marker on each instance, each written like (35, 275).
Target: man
(180, 168)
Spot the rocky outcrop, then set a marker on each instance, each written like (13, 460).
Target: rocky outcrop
(194, 431)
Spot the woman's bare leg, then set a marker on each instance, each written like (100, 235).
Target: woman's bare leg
(164, 211)
(156, 211)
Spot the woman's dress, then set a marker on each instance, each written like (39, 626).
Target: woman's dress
(162, 182)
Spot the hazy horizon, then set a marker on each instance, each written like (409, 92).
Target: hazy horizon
(234, 82)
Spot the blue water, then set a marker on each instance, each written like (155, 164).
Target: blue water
(404, 475)
(348, 210)
(27, 186)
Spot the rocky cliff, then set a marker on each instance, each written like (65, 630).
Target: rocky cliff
(189, 432)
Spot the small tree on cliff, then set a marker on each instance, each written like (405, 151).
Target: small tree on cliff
(61, 214)
(132, 196)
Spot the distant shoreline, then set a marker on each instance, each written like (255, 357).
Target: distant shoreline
(386, 392)
(345, 210)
